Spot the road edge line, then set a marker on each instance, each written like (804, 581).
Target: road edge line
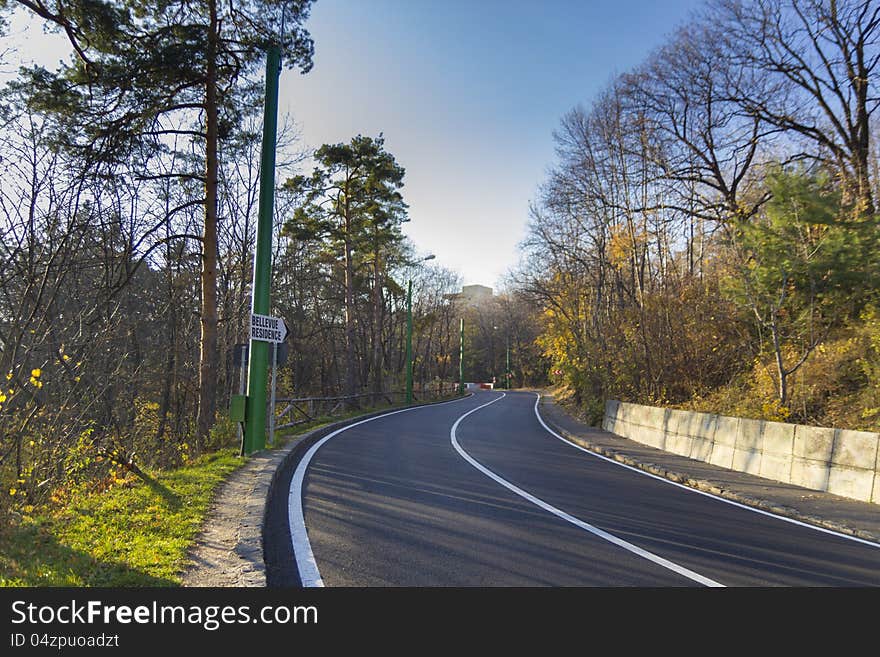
(742, 505)
(309, 574)
(577, 522)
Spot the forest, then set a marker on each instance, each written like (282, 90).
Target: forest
(707, 236)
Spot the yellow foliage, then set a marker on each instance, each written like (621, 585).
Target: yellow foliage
(775, 411)
(146, 415)
(622, 244)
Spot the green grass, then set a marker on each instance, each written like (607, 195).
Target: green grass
(136, 534)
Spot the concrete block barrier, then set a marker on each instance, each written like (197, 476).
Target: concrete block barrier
(838, 461)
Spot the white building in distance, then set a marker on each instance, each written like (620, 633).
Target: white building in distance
(472, 295)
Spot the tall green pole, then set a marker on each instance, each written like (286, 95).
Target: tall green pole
(409, 360)
(255, 415)
(461, 357)
(507, 371)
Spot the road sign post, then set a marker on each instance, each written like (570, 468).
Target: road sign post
(266, 330)
(271, 409)
(255, 415)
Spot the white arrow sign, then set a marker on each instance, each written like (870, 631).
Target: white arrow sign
(268, 328)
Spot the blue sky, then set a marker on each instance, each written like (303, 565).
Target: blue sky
(468, 95)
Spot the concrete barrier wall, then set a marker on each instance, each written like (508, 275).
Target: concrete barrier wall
(838, 461)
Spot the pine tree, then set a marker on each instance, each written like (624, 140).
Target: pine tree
(352, 202)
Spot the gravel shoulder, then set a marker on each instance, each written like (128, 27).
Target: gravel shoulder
(228, 551)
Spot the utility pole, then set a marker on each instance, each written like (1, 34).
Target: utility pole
(461, 357)
(409, 362)
(255, 409)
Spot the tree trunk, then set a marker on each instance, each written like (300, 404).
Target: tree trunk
(377, 324)
(208, 323)
(780, 366)
(349, 310)
(863, 143)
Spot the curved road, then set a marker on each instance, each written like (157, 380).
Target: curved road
(478, 492)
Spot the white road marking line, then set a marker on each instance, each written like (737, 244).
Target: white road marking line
(700, 492)
(302, 548)
(635, 549)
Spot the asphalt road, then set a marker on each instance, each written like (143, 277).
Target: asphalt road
(476, 492)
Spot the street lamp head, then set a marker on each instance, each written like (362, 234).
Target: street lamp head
(413, 263)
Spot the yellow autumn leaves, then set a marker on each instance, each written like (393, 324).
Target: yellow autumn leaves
(6, 394)
(3, 395)
(34, 380)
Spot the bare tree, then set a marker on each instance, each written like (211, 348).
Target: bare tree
(808, 67)
(705, 143)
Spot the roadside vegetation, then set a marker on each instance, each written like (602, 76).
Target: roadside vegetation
(125, 529)
(708, 237)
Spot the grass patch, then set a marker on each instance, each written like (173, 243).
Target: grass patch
(135, 534)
